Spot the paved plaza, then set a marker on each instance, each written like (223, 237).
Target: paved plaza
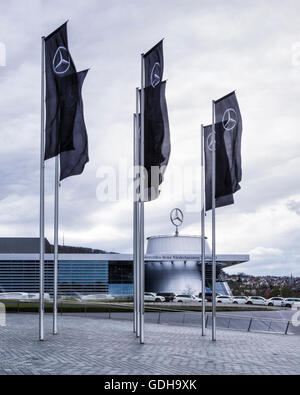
(101, 346)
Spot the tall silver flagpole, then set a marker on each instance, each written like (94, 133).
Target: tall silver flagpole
(56, 219)
(137, 241)
(203, 231)
(214, 271)
(42, 197)
(142, 152)
(134, 226)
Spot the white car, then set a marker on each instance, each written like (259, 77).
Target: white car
(239, 299)
(274, 301)
(291, 302)
(257, 300)
(224, 299)
(14, 296)
(187, 299)
(152, 297)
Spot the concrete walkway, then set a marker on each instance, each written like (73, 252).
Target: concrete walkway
(97, 346)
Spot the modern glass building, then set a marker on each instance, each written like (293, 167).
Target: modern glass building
(172, 264)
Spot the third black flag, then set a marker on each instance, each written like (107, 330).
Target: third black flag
(229, 121)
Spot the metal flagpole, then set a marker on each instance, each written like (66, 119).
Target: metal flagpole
(203, 231)
(56, 219)
(42, 197)
(134, 226)
(214, 271)
(137, 204)
(141, 230)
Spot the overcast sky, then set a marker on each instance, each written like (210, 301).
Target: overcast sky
(211, 48)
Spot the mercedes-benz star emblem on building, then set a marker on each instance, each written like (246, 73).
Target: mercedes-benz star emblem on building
(176, 217)
(230, 119)
(155, 77)
(61, 61)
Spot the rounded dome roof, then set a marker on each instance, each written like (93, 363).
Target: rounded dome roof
(176, 245)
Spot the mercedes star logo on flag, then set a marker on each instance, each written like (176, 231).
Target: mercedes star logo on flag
(229, 119)
(210, 142)
(61, 61)
(155, 75)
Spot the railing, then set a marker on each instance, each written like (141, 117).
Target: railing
(158, 315)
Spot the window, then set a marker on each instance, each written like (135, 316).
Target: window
(120, 272)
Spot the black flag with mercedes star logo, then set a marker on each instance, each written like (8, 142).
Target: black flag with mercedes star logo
(224, 196)
(229, 121)
(72, 162)
(60, 112)
(157, 146)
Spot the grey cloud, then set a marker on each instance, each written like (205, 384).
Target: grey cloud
(294, 206)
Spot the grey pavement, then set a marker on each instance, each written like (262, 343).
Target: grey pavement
(101, 346)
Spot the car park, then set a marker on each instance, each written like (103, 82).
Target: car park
(224, 299)
(239, 299)
(152, 297)
(256, 300)
(169, 296)
(291, 302)
(276, 301)
(187, 299)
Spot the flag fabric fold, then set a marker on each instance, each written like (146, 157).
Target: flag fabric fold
(73, 162)
(224, 197)
(157, 146)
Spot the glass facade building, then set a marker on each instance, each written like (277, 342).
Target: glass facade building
(74, 277)
(172, 264)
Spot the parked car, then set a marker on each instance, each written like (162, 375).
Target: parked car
(224, 299)
(239, 299)
(208, 296)
(291, 302)
(187, 299)
(152, 297)
(257, 300)
(23, 296)
(14, 296)
(277, 301)
(169, 296)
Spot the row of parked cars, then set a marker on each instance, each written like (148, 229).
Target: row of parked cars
(259, 300)
(170, 297)
(251, 300)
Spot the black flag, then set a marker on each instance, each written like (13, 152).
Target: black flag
(60, 114)
(157, 145)
(229, 121)
(72, 163)
(224, 196)
(154, 65)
